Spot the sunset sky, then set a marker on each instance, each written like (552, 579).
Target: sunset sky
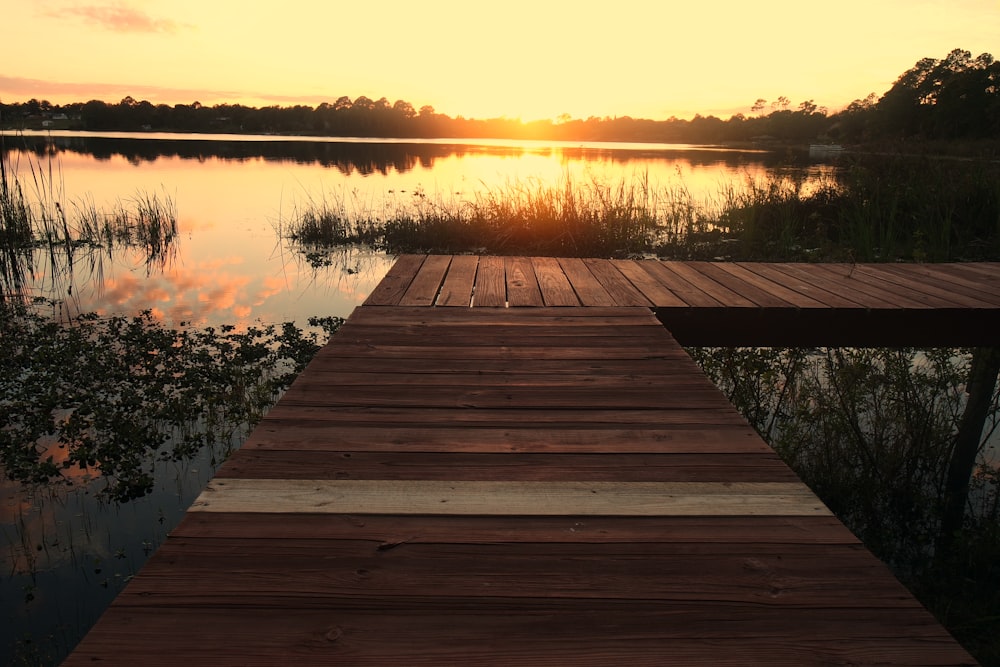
(523, 59)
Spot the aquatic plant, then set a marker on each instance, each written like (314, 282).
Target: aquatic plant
(41, 226)
(872, 209)
(110, 395)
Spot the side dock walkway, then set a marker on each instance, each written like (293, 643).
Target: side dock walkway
(499, 485)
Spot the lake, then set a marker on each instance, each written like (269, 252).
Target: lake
(232, 193)
(67, 553)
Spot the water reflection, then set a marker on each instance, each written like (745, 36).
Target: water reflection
(67, 551)
(375, 156)
(231, 196)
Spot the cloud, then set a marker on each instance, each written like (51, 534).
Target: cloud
(119, 17)
(60, 92)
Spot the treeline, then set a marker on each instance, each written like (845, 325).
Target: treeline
(954, 98)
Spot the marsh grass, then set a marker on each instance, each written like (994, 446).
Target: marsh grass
(873, 209)
(37, 224)
(571, 218)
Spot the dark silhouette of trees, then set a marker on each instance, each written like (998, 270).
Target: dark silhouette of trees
(954, 98)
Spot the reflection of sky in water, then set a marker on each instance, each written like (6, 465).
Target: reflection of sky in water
(71, 552)
(230, 267)
(66, 553)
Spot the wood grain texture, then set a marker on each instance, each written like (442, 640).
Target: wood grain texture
(312, 496)
(497, 475)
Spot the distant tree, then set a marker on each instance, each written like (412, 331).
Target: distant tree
(957, 96)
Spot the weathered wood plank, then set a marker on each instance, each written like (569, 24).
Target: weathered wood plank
(789, 276)
(508, 498)
(776, 292)
(951, 277)
(491, 283)
(459, 282)
(395, 283)
(555, 286)
(701, 275)
(395, 465)
(497, 632)
(912, 282)
(390, 529)
(409, 431)
(423, 291)
(618, 286)
(654, 291)
(691, 295)
(522, 286)
(588, 289)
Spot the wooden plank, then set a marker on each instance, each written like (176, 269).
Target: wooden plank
(393, 286)
(658, 295)
(522, 287)
(588, 289)
(775, 290)
(390, 529)
(952, 277)
(508, 498)
(497, 632)
(864, 286)
(793, 276)
(423, 291)
(920, 284)
(491, 283)
(555, 287)
(407, 432)
(545, 316)
(691, 295)
(459, 282)
(618, 286)
(703, 277)
(789, 577)
(394, 465)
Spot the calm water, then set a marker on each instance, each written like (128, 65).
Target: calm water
(65, 554)
(231, 195)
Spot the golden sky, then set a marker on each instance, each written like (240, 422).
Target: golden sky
(517, 58)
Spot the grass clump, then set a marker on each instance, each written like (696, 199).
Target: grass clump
(532, 217)
(872, 209)
(37, 226)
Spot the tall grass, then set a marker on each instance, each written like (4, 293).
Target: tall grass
(527, 217)
(874, 209)
(35, 224)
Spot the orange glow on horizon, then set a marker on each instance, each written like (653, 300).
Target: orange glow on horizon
(535, 60)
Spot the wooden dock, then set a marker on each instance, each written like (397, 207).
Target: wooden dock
(483, 483)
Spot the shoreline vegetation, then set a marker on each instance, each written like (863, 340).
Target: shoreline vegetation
(873, 210)
(950, 104)
(871, 431)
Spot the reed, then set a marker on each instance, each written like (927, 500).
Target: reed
(874, 209)
(36, 223)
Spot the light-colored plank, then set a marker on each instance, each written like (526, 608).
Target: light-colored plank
(509, 498)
